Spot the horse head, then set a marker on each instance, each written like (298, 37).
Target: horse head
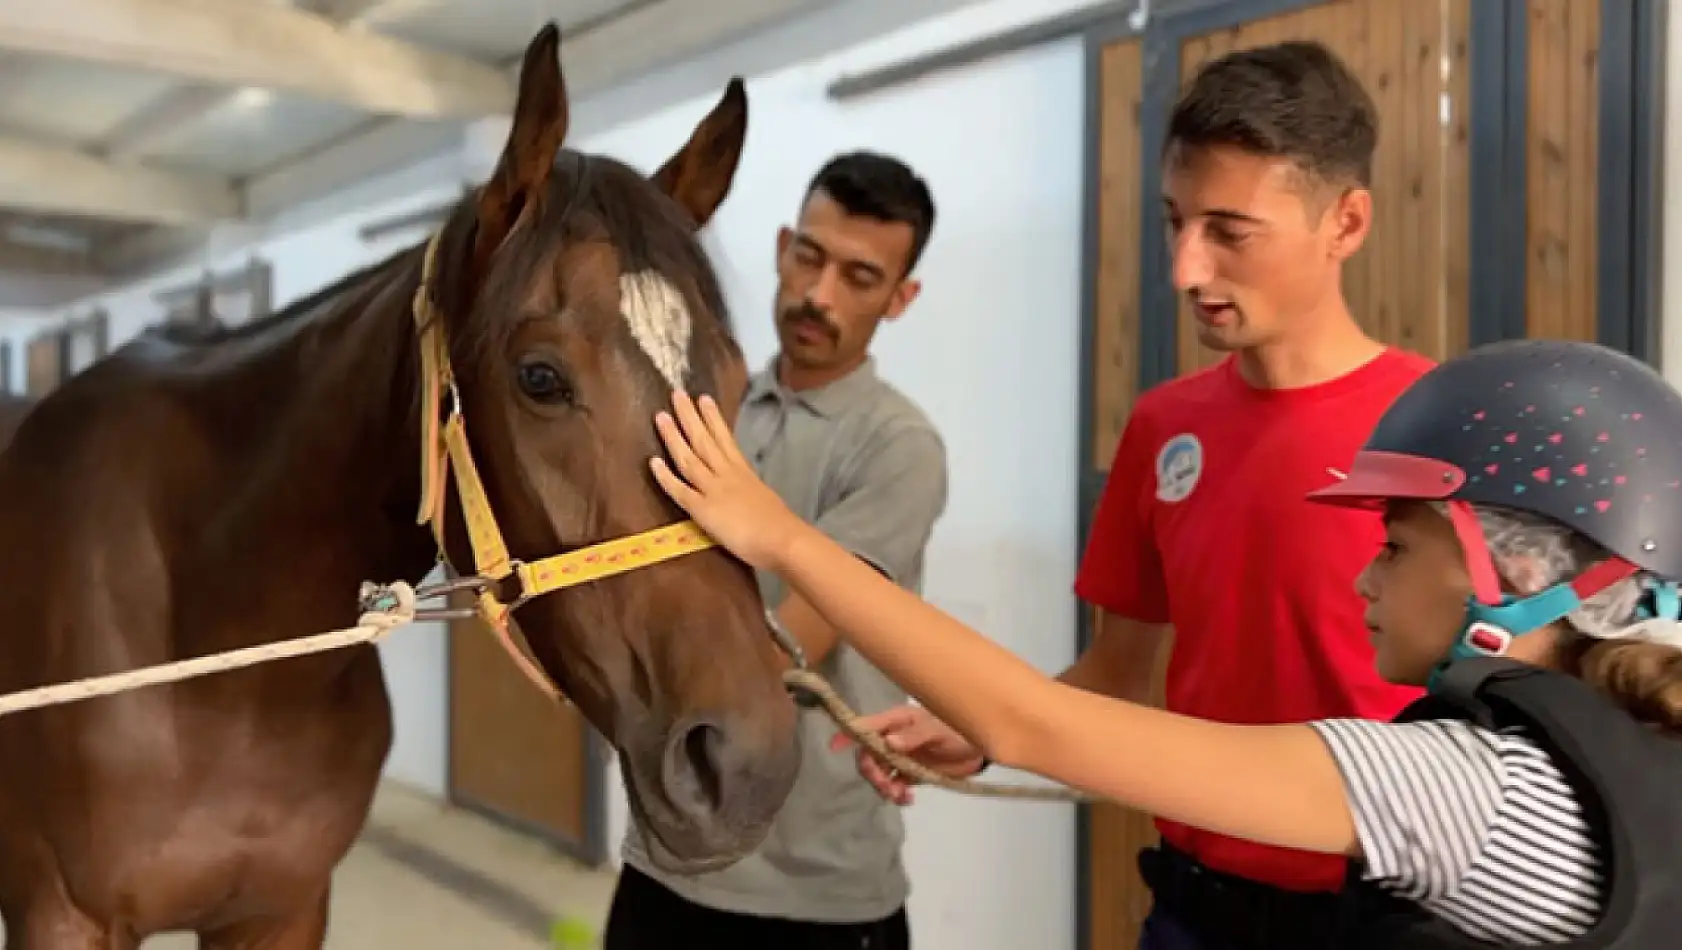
(571, 297)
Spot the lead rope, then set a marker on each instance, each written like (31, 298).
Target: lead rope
(846, 719)
(390, 606)
(385, 609)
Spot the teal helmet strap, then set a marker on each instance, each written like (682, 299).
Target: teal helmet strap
(1494, 619)
(1660, 601)
(1491, 628)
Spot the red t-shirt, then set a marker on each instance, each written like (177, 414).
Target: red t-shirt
(1204, 524)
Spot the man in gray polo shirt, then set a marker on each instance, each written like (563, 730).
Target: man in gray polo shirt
(852, 455)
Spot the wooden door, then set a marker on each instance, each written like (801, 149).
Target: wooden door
(517, 755)
(1561, 169)
(44, 364)
(1115, 900)
(1518, 176)
(1409, 285)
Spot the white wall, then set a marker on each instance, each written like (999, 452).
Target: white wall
(18, 325)
(990, 350)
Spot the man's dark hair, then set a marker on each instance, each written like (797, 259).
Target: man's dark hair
(869, 184)
(1294, 100)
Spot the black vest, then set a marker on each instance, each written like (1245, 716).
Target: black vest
(1628, 779)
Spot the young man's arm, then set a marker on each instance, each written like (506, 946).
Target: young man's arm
(1121, 659)
(1121, 574)
(896, 491)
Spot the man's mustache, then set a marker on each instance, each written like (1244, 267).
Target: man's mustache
(806, 313)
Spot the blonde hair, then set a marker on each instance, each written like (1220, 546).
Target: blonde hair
(1612, 643)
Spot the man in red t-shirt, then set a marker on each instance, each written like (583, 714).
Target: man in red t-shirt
(1204, 527)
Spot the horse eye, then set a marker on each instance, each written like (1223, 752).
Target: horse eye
(543, 382)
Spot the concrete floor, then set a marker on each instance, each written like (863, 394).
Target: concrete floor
(430, 877)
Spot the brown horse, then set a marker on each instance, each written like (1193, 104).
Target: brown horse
(188, 496)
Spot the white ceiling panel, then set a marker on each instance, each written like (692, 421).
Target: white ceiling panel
(253, 131)
(492, 30)
(131, 128)
(68, 100)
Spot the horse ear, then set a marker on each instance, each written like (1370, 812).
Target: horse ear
(522, 174)
(699, 175)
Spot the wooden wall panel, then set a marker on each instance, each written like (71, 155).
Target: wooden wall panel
(44, 364)
(1119, 900)
(1115, 376)
(1408, 285)
(513, 752)
(1561, 169)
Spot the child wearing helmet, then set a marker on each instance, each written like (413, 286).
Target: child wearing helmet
(1532, 492)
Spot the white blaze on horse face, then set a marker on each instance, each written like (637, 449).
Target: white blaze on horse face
(659, 320)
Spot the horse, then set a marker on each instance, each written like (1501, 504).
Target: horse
(196, 493)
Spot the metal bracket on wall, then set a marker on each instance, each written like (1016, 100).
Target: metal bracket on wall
(195, 303)
(1066, 26)
(86, 341)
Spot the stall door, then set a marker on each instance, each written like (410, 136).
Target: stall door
(1519, 177)
(44, 364)
(1561, 170)
(1408, 285)
(514, 753)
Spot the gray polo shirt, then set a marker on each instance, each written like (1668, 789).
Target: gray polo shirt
(863, 463)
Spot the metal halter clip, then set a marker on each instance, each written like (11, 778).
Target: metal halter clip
(376, 598)
(473, 583)
(455, 397)
(802, 696)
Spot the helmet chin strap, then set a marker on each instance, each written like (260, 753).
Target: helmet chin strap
(1494, 618)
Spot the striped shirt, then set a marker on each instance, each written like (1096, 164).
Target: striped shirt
(1479, 828)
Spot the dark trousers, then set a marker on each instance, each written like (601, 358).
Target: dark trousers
(646, 915)
(1163, 931)
(1197, 908)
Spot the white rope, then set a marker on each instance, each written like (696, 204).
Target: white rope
(376, 623)
(373, 625)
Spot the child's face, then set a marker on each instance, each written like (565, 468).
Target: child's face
(1416, 591)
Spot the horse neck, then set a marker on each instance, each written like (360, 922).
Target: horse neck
(329, 496)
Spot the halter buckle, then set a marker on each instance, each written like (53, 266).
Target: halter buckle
(522, 593)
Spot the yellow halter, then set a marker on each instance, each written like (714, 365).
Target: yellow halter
(445, 450)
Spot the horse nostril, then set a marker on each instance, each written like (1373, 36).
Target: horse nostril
(697, 765)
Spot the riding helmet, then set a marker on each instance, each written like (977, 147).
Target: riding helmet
(1576, 432)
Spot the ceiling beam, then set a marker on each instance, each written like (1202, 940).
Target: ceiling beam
(47, 262)
(52, 179)
(221, 42)
(34, 278)
(145, 127)
(370, 12)
(644, 37)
